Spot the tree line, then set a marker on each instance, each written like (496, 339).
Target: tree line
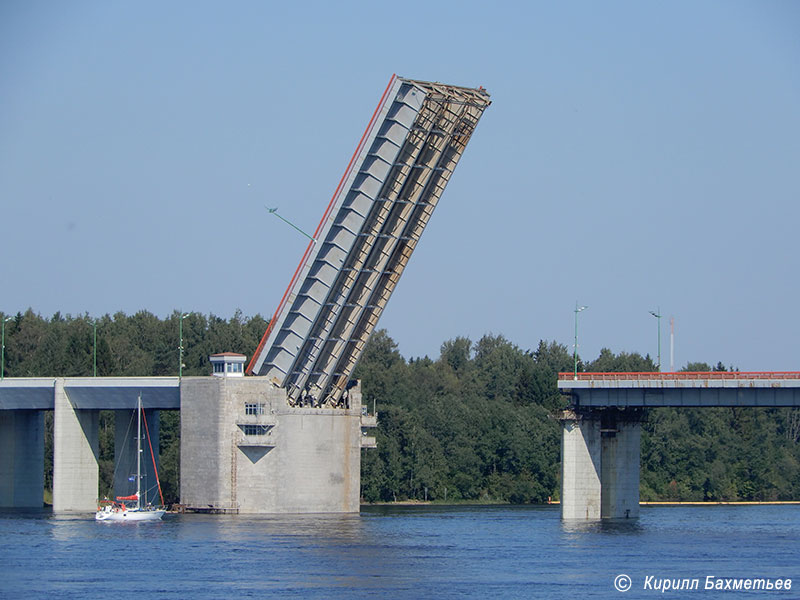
(477, 423)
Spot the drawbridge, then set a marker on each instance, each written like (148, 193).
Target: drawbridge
(371, 226)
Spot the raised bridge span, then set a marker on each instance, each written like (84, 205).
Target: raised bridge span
(361, 246)
(601, 427)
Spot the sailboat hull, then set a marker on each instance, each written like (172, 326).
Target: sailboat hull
(130, 515)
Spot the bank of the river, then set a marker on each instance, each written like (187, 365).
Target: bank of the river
(442, 503)
(721, 503)
(558, 502)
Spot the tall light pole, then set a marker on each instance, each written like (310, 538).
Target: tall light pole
(575, 349)
(94, 348)
(657, 314)
(3, 350)
(672, 344)
(180, 345)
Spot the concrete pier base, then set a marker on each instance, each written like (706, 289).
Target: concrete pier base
(600, 464)
(245, 450)
(21, 458)
(125, 446)
(75, 455)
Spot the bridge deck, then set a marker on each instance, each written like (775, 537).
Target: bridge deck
(718, 388)
(112, 393)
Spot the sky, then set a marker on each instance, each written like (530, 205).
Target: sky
(637, 157)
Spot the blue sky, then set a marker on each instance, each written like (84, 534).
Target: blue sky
(636, 155)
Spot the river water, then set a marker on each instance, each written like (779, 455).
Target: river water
(399, 552)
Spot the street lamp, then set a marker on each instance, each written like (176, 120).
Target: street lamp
(575, 350)
(3, 351)
(180, 346)
(657, 314)
(94, 348)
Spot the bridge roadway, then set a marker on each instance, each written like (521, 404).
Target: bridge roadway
(87, 393)
(601, 428)
(718, 388)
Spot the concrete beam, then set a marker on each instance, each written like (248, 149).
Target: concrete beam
(117, 393)
(681, 389)
(26, 393)
(21, 459)
(75, 455)
(91, 393)
(684, 397)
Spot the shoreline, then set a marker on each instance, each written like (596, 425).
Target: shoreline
(558, 502)
(717, 502)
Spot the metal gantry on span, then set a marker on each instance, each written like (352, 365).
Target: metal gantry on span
(369, 230)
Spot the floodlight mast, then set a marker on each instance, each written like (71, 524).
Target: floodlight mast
(672, 344)
(3, 350)
(575, 347)
(657, 314)
(180, 344)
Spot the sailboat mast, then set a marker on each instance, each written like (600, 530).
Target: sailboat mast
(139, 452)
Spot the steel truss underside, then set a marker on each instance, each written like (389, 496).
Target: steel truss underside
(368, 233)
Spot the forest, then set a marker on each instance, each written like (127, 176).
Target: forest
(475, 424)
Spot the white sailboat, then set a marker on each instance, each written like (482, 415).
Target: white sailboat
(120, 509)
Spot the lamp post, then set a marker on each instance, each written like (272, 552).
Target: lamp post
(180, 345)
(94, 348)
(3, 350)
(575, 349)
(657, 314)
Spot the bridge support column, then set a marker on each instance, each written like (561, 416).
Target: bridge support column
(620, 443)
(76, 445)
(580, 466)
(21, 459)
(600, 464)
(125, 454)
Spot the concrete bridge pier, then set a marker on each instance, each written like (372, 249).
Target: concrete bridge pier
(21, 459)
(76, 448)
(600, 463)
(125, 454)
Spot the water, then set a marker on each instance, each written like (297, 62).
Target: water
(397, 552)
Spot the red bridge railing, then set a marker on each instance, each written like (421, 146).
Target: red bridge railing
(681, 375)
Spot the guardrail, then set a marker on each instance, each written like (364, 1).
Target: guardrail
(683, 375)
